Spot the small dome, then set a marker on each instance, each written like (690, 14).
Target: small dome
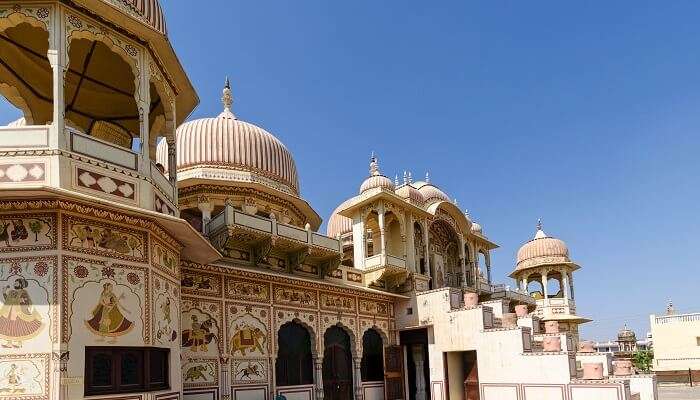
(431, 193)
(228, 143)
(542, 246)
(408, 192)
(376, 179)
(339, 224)
(476, 228)
(626, 335)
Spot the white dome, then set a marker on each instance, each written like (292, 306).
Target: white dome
(542, 249)
(339, 224)
(375, 179)
(431, 193)
(408, 192)
(228, 143)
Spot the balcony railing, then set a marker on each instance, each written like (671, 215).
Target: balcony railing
(101, 168)
(382, 260)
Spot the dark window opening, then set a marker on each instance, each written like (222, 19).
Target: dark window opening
(372, 366)
(294, 364)
(115, 370)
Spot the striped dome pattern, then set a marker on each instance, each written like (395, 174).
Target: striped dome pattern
(339, 224)
(150, 12)
(226, 142)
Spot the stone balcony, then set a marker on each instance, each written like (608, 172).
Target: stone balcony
(555, 305)
(233, 231)
(390, 270)
(33, 157)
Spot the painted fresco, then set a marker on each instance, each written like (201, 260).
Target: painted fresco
(247, 290)
(164, 258)
(289, 295)
(249, 371)
(369, 307)
(330, 301)
(94, 237)
(248, 330)
(166, 311)
(200, 372)
(201, 284)
(28, 287)
(27, 232)
(201, 327)
(24, 377)
(108, 302)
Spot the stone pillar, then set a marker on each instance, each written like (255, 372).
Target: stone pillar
(357, 375)
(523, 284)
(143, 102)
(224, 384)
(420, 377)
(318, 365)
(60, 360)
(571, 285)
(427, 248)
(462, 261)
(382, 239)
(544, 284)
(206, 207)
(565, 285)
(359, 241)
(410, 245)
(58, 59)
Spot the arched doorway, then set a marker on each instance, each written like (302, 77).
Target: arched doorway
(372, 366)
(294, 364)
(337, 365)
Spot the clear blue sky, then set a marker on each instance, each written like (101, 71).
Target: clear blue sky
(585, 115)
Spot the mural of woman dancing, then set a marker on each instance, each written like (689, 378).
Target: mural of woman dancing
(108, 318)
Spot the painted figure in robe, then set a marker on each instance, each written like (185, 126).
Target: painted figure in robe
(19, 320)
(108, 315)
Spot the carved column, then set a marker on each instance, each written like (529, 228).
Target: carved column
(143, 102)
(427, 248)
(544, 284)
(206, 207)
(224, 385)
(60, 367)
(357, 363)
(565, 285)
(410, 245)
(382, 239)
(58, 59)
(420, 376)
(462, 261)
(571, 285)
(318, 365)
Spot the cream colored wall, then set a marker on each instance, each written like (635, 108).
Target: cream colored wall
(455, 375)
(676, 345)
(511, 365)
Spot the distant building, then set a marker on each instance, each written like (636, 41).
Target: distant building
(625, 341)
(676, 341)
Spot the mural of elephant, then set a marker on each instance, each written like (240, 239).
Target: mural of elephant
(247, 338)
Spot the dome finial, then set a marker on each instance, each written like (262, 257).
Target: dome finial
(669, 308)
(427, 177)
(405, 177)
(373, 166)
(410, 177)
(227, 97)
(540, 233)
(396, 180)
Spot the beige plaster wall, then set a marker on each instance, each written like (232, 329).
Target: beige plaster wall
(676, 342)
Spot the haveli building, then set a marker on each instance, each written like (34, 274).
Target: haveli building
(191, 267)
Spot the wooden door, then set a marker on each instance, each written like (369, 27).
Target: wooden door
(337, 366)
(471, 381)
(393, 373)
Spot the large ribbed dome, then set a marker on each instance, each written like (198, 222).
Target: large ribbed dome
(148, 11)
(339, 224)
(543, 247)
(228, 143)
(431, 193)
